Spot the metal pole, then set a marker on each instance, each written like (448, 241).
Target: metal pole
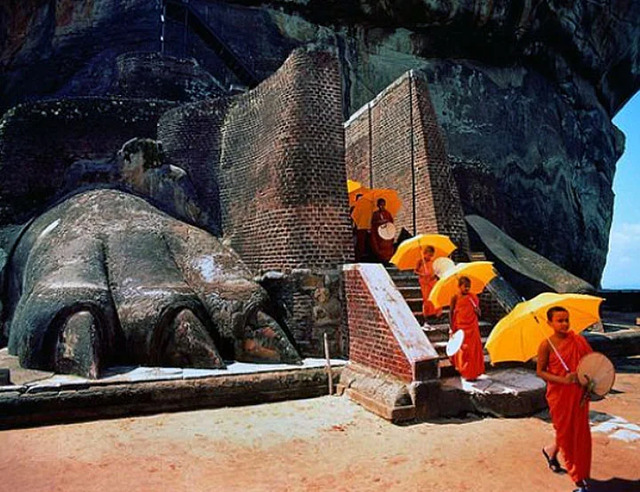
(413, 167)
(370, 147)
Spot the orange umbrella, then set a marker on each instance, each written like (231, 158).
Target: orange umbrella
(364, 208)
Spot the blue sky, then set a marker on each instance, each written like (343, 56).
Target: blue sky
(623, 261)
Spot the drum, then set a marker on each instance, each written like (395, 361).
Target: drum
(455, 343)
(441, 265)
(596, 373)
(387, 231)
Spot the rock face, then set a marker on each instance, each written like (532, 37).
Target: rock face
(525, 90)
(528, 272)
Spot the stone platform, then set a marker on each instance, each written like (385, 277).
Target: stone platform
(509, 392)
(502, 393)
(41, 398)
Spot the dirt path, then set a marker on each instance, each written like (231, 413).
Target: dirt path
(321, 444)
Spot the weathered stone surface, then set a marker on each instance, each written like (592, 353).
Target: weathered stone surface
(558, 70)
(532, 159)
(510, 393)
(530, 273)
(106, 278)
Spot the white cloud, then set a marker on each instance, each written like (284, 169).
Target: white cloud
(623, 261)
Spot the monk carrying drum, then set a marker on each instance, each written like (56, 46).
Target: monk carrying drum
(381, 242)
(558, 359)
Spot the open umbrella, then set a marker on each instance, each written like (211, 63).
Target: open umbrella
(355, 188)
(409, 253)
(364, 208)
(479, 272)
(518, 335)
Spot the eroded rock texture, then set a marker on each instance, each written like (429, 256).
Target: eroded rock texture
(105, 278)
(525, 89)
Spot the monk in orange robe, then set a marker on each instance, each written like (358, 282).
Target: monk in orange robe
(558, 359)
(382, 248)
(427, 279)
(464, 311)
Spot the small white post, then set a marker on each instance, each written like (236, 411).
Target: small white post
(326, 355)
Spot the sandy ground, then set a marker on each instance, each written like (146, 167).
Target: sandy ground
(323, 444)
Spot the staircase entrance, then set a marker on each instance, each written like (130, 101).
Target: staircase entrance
(436, 328)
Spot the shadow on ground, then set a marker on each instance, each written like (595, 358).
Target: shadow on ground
(614, 485)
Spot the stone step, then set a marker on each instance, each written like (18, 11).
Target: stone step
(440, 332)
(406, 281)
(447, 370)
(415, 304)
(441, 346)
(611, 326)
(477, 256)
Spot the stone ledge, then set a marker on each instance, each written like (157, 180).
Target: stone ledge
(86, 400)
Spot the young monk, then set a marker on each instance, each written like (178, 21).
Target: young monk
(427, 279)
(569, 410)
(382, 248)
(464, 312)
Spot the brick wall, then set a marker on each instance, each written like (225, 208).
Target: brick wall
(282, 174)
(270, 163)
(383, 334)
(395, 142)
(39, 141)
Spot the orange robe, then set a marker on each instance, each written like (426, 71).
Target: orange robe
(469, 360)
(382, 248)
(570, 420)
(427, 279)
(361, 244)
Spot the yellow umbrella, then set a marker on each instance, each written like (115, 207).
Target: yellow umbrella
(479, 272)
(364, 208)
(409, 253)
(353, 185)
(518, 335)
(355, 188)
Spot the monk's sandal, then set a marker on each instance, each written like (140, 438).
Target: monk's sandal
(553, 463)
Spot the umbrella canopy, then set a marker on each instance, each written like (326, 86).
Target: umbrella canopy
(364, 208)
(518, 335)
(409, 253)
(479, 272)
(355, 188)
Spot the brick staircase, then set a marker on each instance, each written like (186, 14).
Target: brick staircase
(436, 328)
